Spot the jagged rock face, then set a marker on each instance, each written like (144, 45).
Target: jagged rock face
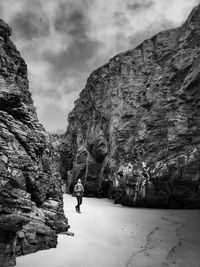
(145, 106)
(31, 207)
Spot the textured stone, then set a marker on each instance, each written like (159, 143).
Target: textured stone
(145, 106)
(31, 207)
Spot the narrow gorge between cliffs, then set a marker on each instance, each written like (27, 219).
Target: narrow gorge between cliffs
(132, 139)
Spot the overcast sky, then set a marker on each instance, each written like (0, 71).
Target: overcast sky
(63, 41)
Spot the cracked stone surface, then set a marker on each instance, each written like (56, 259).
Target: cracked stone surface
(143, 108)
(31, 206)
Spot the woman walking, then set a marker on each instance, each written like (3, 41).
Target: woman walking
(78, 192)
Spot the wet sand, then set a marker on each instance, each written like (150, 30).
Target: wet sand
(108, 235)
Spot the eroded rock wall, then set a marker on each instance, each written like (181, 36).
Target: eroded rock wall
(31, 207)
(144, 107)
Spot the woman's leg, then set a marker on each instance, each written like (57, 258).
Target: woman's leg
(77, 206)
(79, 202)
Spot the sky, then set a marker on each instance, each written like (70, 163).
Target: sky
(63, 41)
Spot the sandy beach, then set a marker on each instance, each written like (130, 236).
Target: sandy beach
(108, 235)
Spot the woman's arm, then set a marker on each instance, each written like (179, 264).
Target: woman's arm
(75, 188)
(82, 188)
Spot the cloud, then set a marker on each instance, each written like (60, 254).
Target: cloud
(53, 116)
(73, 23)
(28, 25)
(30, 21)
(140, 5)
(64, 41)
(74, 56)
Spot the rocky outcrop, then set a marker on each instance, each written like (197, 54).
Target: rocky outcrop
(31, 207)
(56, 141)
(142, 108)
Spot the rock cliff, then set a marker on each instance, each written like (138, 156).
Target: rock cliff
(134, 132)
(31, 207)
